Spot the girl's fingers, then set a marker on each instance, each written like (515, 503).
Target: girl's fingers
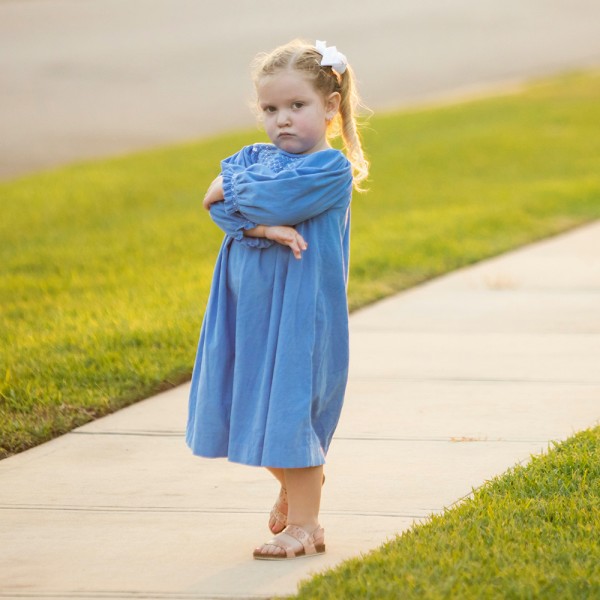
(214, 193)
(287, 236)
(298, 245)
(207, 199)
(293, 246)
(300, 241)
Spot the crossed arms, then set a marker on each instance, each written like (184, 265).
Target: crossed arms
(253, 201)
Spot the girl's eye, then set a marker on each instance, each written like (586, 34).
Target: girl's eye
(297, 105)
(269, 109)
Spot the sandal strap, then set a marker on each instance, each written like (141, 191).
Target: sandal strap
(291, 536)
(306, 539)
(291, 550)
(278, 515)
(299, 534)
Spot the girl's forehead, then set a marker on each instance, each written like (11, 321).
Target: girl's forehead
(284, 83)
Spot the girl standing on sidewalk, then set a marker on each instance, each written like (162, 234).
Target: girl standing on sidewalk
(272, 361)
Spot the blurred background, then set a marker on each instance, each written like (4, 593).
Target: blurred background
(91, 78)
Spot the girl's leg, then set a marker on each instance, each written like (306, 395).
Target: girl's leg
(279, 474)
(304, 496)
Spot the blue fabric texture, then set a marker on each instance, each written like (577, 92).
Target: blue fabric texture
(272, 362)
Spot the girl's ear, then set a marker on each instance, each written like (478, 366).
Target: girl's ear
(332, 105)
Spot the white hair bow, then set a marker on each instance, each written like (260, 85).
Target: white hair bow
(331, 57)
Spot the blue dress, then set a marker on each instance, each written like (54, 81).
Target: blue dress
(272, 361)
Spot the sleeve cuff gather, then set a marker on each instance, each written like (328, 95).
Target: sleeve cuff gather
(251, 242)
(231, 203)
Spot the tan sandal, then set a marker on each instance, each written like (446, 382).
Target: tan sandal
(277, 518)
(294, 542)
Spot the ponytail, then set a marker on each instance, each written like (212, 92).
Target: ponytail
(350, 135)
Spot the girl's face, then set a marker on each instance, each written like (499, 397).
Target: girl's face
(295, 115)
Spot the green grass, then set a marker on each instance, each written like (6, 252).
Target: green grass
(106, 266)
(531, 533)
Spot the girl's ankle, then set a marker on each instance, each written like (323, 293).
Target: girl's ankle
(309, 527)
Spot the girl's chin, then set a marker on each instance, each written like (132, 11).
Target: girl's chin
(293, 146)
(289, 145)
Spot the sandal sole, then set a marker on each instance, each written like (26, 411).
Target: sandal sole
(273, 557)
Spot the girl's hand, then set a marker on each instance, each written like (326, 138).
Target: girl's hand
(214, 193)
(287, 236)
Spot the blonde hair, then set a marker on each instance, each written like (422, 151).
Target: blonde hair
(303, 57)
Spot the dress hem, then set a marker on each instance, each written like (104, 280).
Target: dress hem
(248, 463)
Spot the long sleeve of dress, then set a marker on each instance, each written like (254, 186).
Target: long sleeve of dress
(234, 225)
(313, 185)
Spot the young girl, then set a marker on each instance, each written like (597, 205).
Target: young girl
(272, 362)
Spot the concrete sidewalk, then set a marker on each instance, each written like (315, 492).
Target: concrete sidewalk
(451, 383)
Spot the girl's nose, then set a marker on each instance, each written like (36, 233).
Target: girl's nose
(283, 118)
